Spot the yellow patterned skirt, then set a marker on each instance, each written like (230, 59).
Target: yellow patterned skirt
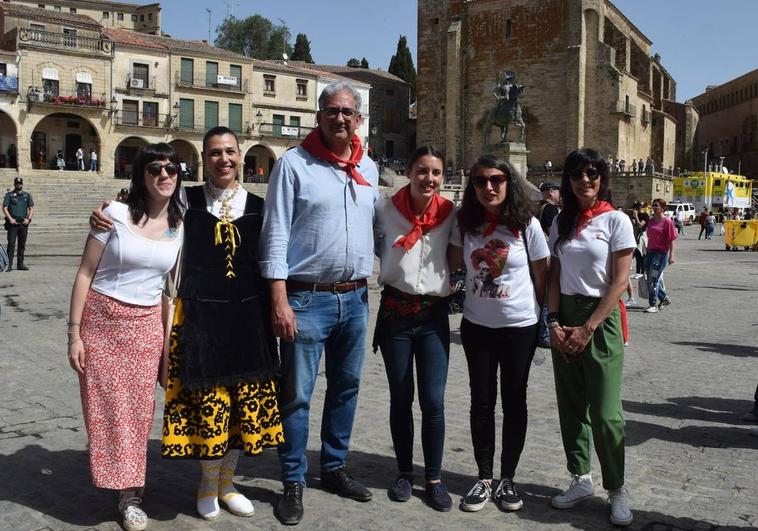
(206, 423)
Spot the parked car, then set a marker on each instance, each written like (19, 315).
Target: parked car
(688, 209)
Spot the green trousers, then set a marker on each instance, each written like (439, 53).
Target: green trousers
(588, 390)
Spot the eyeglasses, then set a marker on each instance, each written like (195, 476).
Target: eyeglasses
(480, 181)
(591, 173)
(154, 169)
(332, 112)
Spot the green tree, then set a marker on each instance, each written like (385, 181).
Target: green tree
(401, 65)
(302, 51)
(354, 63)
(364, 63)
(255, 36)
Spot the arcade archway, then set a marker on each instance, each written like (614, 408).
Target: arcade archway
(126, 151)
(8, 139)
(259, 161)
(188, 155)
(64, 134)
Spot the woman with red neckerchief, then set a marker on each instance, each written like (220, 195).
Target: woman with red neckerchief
(591, 245)
(413, 230)
(505, 254)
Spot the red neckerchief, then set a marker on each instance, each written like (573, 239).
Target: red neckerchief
(600, 207)
(314, 145)
(492, 221)
(437, 212)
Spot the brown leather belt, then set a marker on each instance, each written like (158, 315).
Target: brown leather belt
(336, 287)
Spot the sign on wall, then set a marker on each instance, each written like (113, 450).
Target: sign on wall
(226, 80)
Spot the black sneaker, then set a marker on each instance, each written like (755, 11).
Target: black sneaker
(507, 497)
(402, 488)
(289, 510)
(21, 267)
(665, 302)
(477, 497)
(339, 482)
(437, 497)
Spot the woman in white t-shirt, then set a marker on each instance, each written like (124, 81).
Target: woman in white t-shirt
(591, 244)
(413, 230)
(116, 326)
(505, 255)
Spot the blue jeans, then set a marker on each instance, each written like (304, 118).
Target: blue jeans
(709, 228)
(429, 343)
(544, 333)
(334, 323)
(655, 263)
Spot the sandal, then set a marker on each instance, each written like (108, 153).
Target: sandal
(133, 517)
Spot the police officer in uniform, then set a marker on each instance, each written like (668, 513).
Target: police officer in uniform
(18, 208)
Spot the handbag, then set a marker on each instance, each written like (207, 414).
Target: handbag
(171, 291)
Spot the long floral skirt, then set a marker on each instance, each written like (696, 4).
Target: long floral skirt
(123, 344)
(206, 423)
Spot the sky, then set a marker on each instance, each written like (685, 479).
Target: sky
(701, 42)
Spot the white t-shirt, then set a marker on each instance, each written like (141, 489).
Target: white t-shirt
(423, 270)
(133, 268)
(499, 290)
(586, 259)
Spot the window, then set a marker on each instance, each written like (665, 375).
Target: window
(106, 14)
(72, 10)
(149, 16)
(187, 113)
(278, 121)
(187, 71)
(41, 6)
(84, 90)
(508, 28)
(236, 72)
(211, 74)
(269, 84)
(120, 16)
(130, 112)
(142, 18)
(235, 117)
(141, 71)
(50, 87)
(211, 114)
(134, 18)
(390, 92)
(3, 69)
(149, 114)
(302, 88)
(295, 121)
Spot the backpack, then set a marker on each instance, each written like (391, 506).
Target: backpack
(4, 262)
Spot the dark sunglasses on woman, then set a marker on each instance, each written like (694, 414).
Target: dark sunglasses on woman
(154, 169)
(480, 181)
(591, 173)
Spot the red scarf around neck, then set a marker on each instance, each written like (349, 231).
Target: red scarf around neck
(492, 221)
(437, 212)
(600, 207)
(314, 145)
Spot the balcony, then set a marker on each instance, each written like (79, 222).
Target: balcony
(222, 83)
(8, 84)
(646, 116)
(64, 41)
(74, 98)
(143, 119)
(622, 107)
(284, 131)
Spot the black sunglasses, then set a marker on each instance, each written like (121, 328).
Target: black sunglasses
(480, 181)
(591, 173)
(154, 169)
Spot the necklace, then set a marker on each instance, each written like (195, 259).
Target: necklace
(225, 196)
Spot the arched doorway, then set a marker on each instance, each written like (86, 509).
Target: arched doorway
(187, 154)
(126, 151)
(8, 138)
(259, 161)
(64, 133)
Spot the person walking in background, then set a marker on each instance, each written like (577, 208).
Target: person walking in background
(92, 160)
(660, 253)
(18, 209)
(505, 254)
(639, 219)
(116, 329)
(701, 220)
(413, 230)
(710, 225)
(591, 243)
(80, 161)
(549, 208)
(60, 162)
(679, 216)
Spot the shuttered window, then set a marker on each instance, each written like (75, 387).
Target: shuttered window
(187, 113)
(188, 71)
(235, 117)
(211, 114)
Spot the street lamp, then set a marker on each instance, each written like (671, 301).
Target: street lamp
(114, 106)
(705, 165)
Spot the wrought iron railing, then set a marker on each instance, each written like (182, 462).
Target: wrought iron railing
(143, 119)
(211, 82)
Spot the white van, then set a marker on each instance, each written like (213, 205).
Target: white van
(687, 209)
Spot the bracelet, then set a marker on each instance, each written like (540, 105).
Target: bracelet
(75, 341)
(553, 324)
(553, 316)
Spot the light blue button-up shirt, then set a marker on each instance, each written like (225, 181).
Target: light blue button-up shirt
(318, 222)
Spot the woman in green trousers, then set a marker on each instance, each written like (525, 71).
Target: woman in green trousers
(591, 245)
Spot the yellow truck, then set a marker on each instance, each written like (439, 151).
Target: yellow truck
(713, 190)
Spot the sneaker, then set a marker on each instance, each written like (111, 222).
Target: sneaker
(750, 416)
(619, 502)
(21, 267)
(477, 497)
(507, 497)
(580, 489)
(651, 309)
(339, 482)
(289, 510)
(630, 302)
(401, 489)
(665, 302)
(133, 517)
(437, 497)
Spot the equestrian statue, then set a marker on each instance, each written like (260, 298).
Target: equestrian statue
(507, 111)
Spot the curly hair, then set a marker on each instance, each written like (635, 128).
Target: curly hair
(516, 210)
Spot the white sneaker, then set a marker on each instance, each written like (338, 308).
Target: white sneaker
(630, 302)
(651, 309)
(133, 517)
(620, 512)
(580, 489)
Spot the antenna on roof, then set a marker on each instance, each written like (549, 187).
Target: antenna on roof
(209, 24)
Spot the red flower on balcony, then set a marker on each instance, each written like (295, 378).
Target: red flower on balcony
(77, 100)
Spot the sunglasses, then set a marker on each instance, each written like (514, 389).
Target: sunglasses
(154, 169)
(333, 112)
(480, 181)
(591, 173)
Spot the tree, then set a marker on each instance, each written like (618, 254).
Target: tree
(254, 36)
(401, 65)
(354, 63)
(364, 63)
(302, 51)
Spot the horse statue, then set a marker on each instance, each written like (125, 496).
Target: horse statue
(507, 111)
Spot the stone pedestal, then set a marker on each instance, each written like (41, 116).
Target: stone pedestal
(513, 152)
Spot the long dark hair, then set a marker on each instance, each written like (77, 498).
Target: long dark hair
(138, 195)
(517, 209)
(577, 161)
(422, 151)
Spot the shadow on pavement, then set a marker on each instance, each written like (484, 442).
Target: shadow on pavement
(698, 436)
(709, 409)
(738, 351)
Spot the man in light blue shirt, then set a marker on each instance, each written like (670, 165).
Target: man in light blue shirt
(317, 252)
